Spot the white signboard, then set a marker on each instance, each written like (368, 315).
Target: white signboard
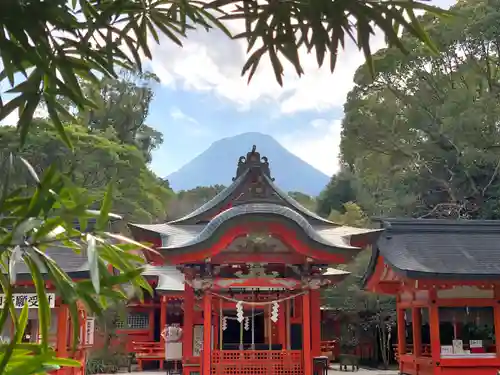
(31, 299)
(89, 331)
(476, 343)
(198, 339)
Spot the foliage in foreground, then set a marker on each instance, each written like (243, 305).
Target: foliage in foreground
(98, 158)
(59, 45)
(30, 222)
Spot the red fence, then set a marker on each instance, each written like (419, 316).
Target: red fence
(148, 351)
(256, 362)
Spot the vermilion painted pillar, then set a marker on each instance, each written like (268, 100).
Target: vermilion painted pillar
(187, 332)
(282, 325)
(315, 323)
(496, 312)
(417, 331)
(306, 333)
(163, 323)
(215, 307)
(401, 332)
(207, 332)
(434, 328)
(62, 331)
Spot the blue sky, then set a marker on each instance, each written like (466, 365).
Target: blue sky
(203, 98)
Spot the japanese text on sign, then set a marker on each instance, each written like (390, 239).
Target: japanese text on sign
(30, 299)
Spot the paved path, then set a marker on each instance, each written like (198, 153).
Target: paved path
(364, 372)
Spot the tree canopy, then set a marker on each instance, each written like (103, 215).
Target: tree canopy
(58, 46)
(97, 160)
(422, 137)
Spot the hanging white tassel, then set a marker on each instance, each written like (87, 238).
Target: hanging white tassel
(274, 312)
(247, 324)
(239, 311)
(224, 323)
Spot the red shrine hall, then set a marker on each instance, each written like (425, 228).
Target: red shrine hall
(244, 273)
(446, 277)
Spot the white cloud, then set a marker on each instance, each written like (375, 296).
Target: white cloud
(177, 114)
(319, 145)
(191, 126)
(210, 62)
(11, 119)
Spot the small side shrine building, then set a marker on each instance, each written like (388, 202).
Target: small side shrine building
(253, 262)
(446, 277)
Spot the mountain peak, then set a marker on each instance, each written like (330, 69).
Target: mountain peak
(218, 164)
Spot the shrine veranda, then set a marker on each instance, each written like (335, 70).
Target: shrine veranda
(244, 273)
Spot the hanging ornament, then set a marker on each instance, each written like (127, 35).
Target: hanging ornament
(274, 312)
(224, 323)
(239, 311)
(247, 323)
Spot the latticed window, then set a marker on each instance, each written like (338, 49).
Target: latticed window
(134, 321)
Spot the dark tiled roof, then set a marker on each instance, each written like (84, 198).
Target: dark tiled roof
(183, 236)
(447, 249)
(74, 264)
(261, 209)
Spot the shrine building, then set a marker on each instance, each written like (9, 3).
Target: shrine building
(243, 273)
(445, 275)
(60, 338)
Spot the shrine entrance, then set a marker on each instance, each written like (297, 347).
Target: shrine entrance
(253, 261)
(250, 334)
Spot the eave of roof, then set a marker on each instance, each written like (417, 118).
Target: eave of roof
(439, 249)
(333, 240)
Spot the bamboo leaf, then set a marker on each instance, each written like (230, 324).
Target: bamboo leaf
(93, 262)
(107, 202)
(44, 320)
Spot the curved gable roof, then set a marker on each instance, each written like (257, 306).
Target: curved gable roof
(253, 184)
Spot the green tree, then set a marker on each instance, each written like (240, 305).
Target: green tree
(366, 311)
(423, 136)
(305, 200)
(98, 159)
(186, 201)
(59, 45)
(122, 104)
(340, 190)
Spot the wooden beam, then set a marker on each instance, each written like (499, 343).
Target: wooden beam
(401, 324)
(306, 333)
(417, 331)
(207, 333)
(62, 331)
(187, 343)
(315, 323)
(434, 328)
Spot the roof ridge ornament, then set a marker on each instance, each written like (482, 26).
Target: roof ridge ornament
(253, 161)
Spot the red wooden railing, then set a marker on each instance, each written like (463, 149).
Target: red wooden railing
(330, 346)
(148, 351)
(426, 350)
(257, 362)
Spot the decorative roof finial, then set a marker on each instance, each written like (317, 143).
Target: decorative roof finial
(253, 160)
